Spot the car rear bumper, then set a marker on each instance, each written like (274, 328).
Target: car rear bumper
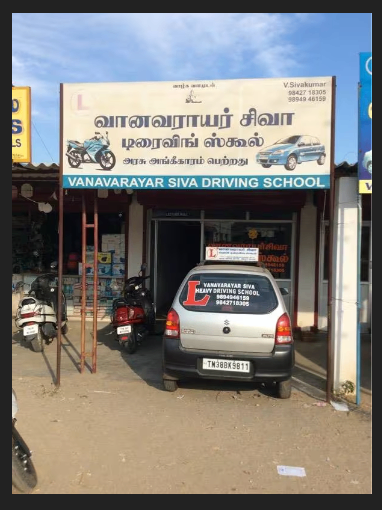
(179, 363)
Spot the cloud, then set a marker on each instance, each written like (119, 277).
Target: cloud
(105, 47)
(50, 48)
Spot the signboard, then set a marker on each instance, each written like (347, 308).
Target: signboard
(21, 125)
(223, 134)
(365, 124)
(232, 254)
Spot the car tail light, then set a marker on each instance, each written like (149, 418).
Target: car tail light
(284, 330)
(172, 324)
(29, 314)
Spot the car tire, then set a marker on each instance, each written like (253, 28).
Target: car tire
(170, 385)
(291, 162)
(284, 388)
(266, 166)
(321, 159)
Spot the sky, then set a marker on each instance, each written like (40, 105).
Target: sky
(53, 48)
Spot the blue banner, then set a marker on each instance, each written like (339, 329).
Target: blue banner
(200, 182)
(365, 124)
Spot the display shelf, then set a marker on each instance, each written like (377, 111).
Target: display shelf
(91, 275)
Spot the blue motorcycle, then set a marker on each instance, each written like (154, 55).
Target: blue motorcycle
(94, 150)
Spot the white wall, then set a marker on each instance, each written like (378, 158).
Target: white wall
(307, 263)
(135, 255)
(344, 308)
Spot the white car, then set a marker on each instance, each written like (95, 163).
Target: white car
(367, 161)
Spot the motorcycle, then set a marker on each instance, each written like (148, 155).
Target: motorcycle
(24, 476)
(93, 150)
(133, 316)
(36, 313)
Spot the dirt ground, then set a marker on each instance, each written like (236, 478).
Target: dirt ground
(118, 431)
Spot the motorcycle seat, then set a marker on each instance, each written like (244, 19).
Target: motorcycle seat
(119, 302)
(76, 143)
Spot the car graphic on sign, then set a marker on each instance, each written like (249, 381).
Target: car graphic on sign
(291, 151)
(367, 161)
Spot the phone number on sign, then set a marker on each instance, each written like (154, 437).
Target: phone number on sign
(293, 99)
(313, 92)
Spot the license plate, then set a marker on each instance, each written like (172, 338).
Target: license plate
(123, 329)
(226, 365)
(31, 330)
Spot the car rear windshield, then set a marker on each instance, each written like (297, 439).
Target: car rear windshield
(228, 293)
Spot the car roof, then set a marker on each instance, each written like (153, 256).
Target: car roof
(231, 268)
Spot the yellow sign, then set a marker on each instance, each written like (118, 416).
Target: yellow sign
(21, 124)
(365, 186)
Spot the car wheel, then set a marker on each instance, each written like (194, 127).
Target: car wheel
(266, 166)
(321, 159)
(170, 385)
(284, 388)
(291, 162)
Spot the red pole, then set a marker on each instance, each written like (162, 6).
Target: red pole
(95, 285)
(83, 284)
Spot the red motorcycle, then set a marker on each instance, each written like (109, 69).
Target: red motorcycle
(133, 314)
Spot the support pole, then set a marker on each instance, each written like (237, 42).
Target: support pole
(329, 353)
(83, 284)
(95, 285)
(60, 245)
(60, 264)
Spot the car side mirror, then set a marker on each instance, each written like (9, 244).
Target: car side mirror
(284, 291)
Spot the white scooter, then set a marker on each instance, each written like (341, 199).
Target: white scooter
(36, 314)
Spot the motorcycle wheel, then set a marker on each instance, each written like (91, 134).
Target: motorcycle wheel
(107, 161)
(131, 344)
(24, 476)
(38, 343)
(74, 162)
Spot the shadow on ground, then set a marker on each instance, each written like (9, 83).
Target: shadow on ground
(146, 362)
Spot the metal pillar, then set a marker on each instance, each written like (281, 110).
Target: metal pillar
(329, 354)
(85, 265)
(60, 245)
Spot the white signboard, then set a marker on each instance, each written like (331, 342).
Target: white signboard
(230, 254)
(221, 134)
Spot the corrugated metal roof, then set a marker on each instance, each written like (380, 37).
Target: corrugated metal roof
(17, 167)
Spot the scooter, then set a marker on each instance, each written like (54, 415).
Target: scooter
(36, 314)
(93, 150)
(24, 476)
(133, 316)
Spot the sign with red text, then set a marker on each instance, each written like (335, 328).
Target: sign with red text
(232, 254)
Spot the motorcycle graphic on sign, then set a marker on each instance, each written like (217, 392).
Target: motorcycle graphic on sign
(93, 150)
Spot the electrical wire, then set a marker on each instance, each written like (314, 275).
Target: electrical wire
(46, 148)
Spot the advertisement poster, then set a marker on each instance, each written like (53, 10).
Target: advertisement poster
(223, 134)
(365, 124)
(21, 125)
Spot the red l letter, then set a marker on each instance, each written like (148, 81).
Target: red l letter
(190, 301)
